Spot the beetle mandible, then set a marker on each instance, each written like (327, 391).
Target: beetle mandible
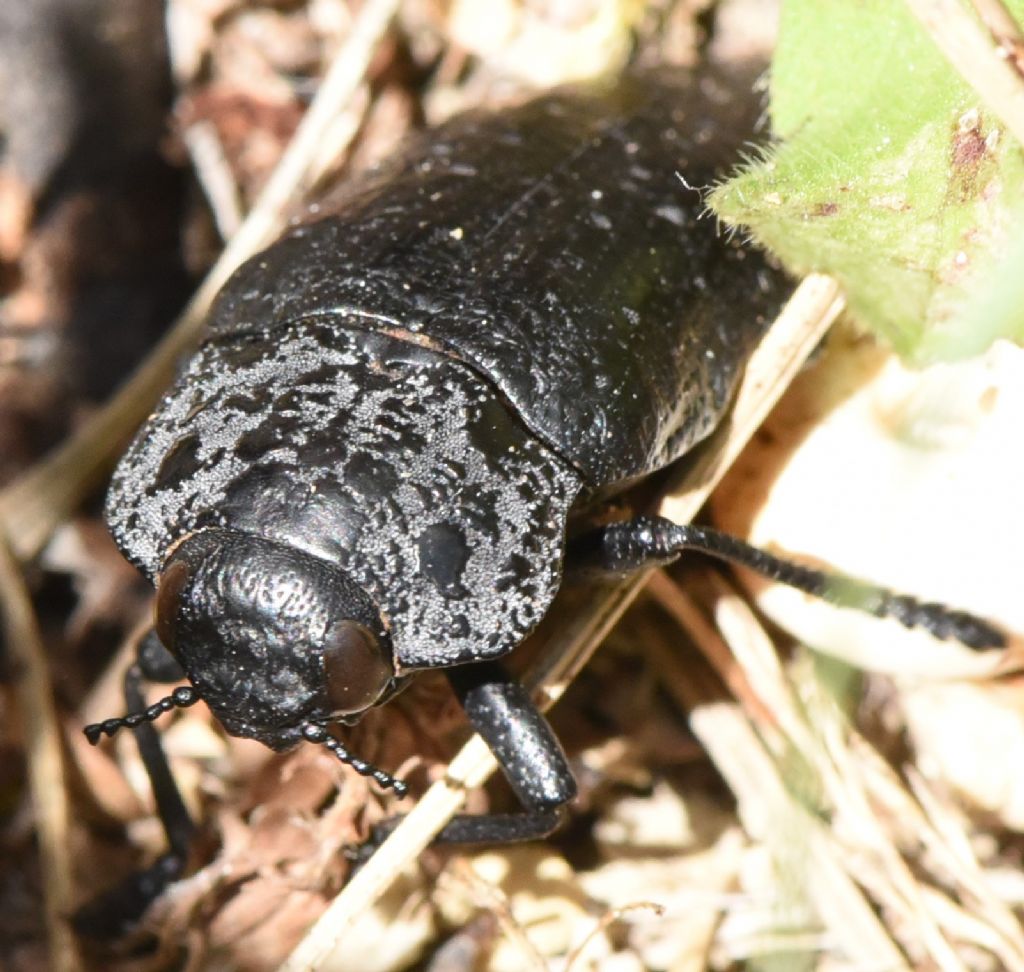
(368, 468)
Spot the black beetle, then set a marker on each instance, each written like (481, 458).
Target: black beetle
(369, 467)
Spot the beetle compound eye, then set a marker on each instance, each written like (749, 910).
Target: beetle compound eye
(356, 667)
(173, 581)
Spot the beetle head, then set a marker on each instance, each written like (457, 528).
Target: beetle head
(273, 639)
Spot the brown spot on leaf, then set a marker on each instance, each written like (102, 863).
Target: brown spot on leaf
(968, 153)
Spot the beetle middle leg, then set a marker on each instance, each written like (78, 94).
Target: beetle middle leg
(649, 541)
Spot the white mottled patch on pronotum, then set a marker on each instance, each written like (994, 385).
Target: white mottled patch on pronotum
(395, 463)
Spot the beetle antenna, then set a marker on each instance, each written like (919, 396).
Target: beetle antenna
(319, 734)
(181, 698)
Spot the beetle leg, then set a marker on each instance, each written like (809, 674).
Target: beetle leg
(117, 911)
(650, 541)
(157, 664)
(530, 756)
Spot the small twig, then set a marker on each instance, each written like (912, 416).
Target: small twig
(44, 757)
(215, 176)
(1005, 30)
(491, 898)
(605, 922)
(794, 335)
(970, 50)
(31, 508)
(339, 136)
(685, 612)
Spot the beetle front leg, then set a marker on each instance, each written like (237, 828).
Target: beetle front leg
(530, 756)
(651, 541)
(156, 664)
(118, 910)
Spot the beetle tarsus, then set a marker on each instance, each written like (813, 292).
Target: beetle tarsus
(469, 829)
(502, 828)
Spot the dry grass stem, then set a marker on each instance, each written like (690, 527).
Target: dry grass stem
(771, 815)
(44, 760)
(873, 835)
(950, 843)
(494, 900)
(688, 615)
(760, 768)
(215, 177)
(604, 923)
(1004, 29)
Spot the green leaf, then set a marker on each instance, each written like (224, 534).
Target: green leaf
(890, 175)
